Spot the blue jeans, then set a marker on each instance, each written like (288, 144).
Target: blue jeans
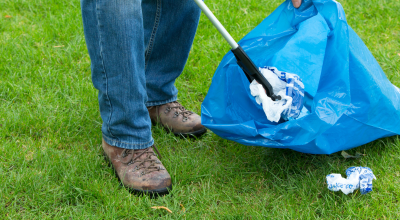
(137, 49)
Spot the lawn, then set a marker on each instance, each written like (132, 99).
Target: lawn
(51, 163)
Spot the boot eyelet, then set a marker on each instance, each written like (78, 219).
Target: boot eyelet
(125, 153)
(167, 110)
(176, 114)
(185, 119)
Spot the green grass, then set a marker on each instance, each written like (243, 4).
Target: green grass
(50, 154)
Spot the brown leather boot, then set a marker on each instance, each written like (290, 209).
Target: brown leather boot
(175, 118)
(139, 170)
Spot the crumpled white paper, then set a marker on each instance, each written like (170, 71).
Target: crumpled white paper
(272, 109)
(357, 177)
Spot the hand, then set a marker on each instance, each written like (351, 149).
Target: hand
(296, 3)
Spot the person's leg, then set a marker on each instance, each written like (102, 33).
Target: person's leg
(114, 37)
(169, 32)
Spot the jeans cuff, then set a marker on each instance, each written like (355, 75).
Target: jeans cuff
(149, 104)
(128, 145)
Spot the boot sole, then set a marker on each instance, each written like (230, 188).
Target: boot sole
(194, 134)
(191, 134)
(152, 193)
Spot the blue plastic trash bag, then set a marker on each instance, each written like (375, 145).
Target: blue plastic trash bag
(348, 99)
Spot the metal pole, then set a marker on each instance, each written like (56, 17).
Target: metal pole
(217, 24)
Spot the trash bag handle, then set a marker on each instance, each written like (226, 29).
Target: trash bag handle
(243, 60)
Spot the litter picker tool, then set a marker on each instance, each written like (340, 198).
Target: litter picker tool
(243, 60)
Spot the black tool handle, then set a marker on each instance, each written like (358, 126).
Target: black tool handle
(252, 72)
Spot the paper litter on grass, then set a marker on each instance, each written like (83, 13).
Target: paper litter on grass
(357, 177)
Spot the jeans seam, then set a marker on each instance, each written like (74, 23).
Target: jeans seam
(122, 142)
(153, 33)
(104, 71)
(150, 104)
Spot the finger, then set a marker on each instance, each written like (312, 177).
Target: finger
(296, 3)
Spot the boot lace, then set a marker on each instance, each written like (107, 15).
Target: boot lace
(182, 111)
(155, 164)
